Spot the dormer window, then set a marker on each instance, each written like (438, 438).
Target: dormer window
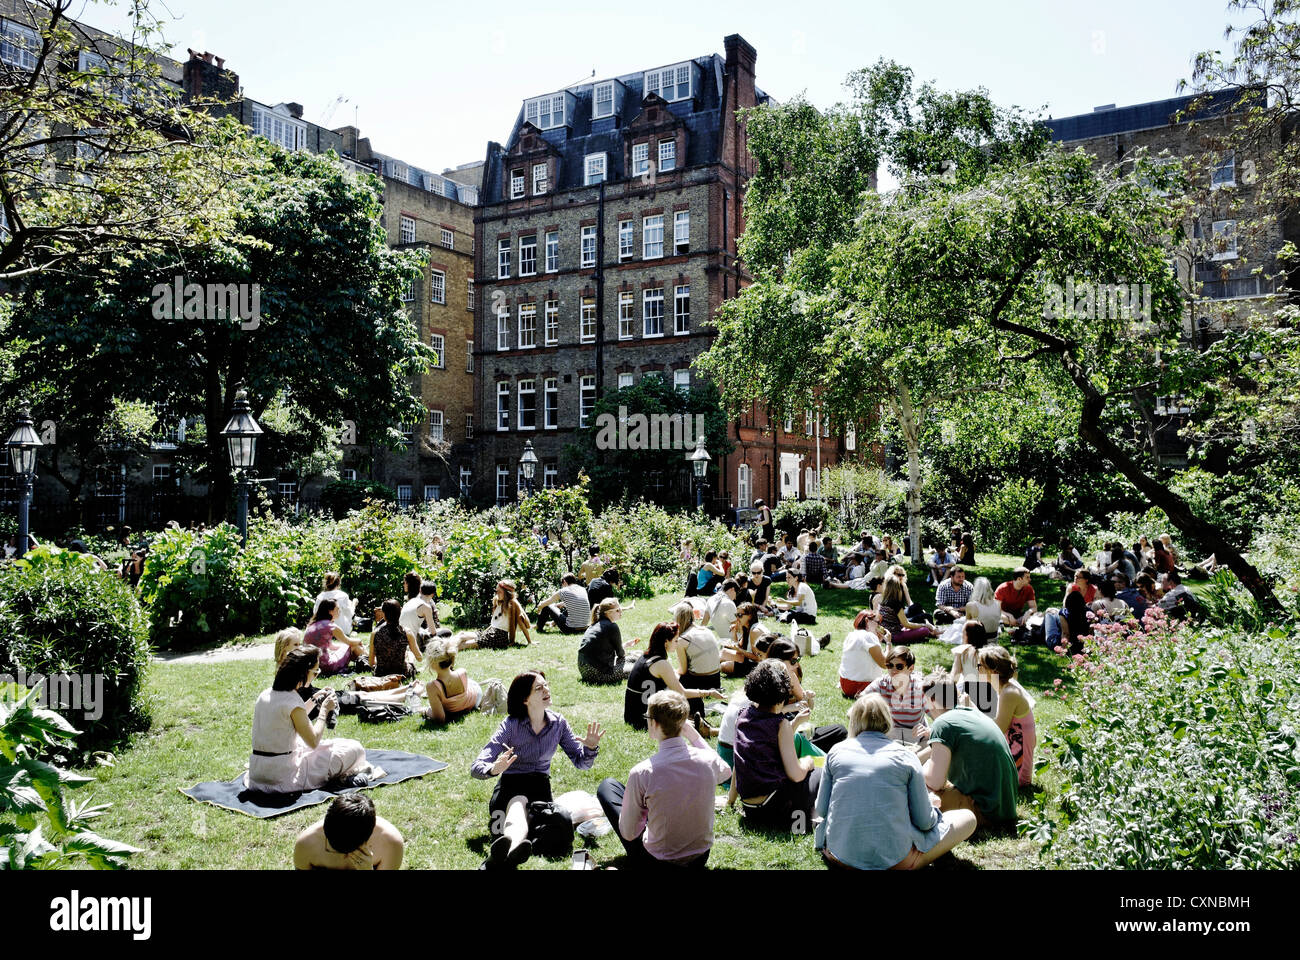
(546, 112)
(540, 180)
(672, 83)
(18, 45)
(667, 155)
(287, 132)
(602, 100)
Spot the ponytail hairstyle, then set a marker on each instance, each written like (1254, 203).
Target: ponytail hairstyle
(603, 609)
(996, 659)
(683, 618)
(332, 580)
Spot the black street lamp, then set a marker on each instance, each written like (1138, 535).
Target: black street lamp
(22, 445)
(699, 460)
(528, 463)
(241, 435)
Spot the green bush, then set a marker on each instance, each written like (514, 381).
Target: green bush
(62, 616)
(865, 498)
(40, 827)
(792, 516)
(643, 542)
(478, 555)
(564, 515)
(1180, 753)
(340, 497)
(1003, 517)
(192, 590)
(373, 549)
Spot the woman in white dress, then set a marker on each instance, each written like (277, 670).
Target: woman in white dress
(344, 607)
(289, 753)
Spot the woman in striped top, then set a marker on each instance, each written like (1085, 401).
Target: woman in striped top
(903, 692)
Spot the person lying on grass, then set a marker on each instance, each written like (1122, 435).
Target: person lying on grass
(349, 837)
(520, 753)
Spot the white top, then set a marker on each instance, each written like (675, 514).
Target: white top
(722, 613)
(1112, 608)
(344, 610)
(737, 705)
(856, 662)
(411, 620)
(702, 651)
(499, 621)
(990, 615)
(807, 600)
(965, 659)
(273, 732)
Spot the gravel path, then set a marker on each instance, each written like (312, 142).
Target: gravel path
(252, 651)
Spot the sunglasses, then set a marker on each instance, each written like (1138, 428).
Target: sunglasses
(898, 665)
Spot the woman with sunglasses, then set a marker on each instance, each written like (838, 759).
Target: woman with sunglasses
(520, 754)
(902, 690)
(864, 656)
(738, 656)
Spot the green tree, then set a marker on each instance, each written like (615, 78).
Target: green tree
(624, 450)
(329, 342)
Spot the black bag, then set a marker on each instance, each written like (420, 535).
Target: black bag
(550, 829)
(381, 712)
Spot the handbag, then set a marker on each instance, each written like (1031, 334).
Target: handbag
(550, 829)
(381, 712)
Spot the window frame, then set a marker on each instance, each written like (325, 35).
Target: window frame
(503, 406)
(552, 251)
(551, 403)
(469, 293)
(587, 254)
(526, 246)
(596, 99)
(503, 485)
(626, 240)
(649, 296)
(626, 299)
(440, 347)
(440, 434)
(504, 250)
(551, 323)
(503, 329)
(517, 184)
(682, 380)
(526, 388)
(648, 230)
(541, 183)
(438, 287)
(448, 238)
(630, 381)
(1227, 254)
(587, 382)
(587, 317)
(588, 176)
(527, 311)
(671, 161)
(679, 328)
(640, 158)
(681, 237)
(469, 356)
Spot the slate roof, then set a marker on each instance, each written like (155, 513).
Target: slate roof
(583, 135)
(1141, 116)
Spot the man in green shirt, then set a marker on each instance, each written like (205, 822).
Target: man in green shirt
(967, 763)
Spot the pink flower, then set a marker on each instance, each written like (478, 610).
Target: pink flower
(1056, 682)
(1058, 649)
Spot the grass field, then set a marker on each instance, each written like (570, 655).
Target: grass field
(203, 713)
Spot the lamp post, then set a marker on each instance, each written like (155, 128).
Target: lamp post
(22, 445)
(699, 459)
(241, 435)
(528, 463)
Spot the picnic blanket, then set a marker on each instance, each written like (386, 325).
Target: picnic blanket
(233, 795)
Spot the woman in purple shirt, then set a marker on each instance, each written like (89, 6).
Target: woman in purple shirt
(520, 754)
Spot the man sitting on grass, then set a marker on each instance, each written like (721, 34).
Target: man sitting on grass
(1017, 598)
(952, 596)
(664, 816)
(349, 837)
(568, 608)
(942, 560)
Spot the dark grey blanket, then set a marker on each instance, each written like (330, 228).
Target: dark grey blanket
(233, 795)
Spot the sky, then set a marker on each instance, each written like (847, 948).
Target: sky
(432, 83)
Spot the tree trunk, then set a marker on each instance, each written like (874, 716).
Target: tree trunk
(1180, 514)
(907, 421)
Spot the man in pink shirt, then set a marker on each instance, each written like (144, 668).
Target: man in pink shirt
(664, 815)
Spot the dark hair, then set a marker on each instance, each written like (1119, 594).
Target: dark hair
(730, 584)
(794, 573)
(1019, 572)
(332, 580)
(975, 634)
(748, 610)
(295, 666)
(324, 610)
(521, 688)
(905, 654)
(1173, 577)
(568, 579)
(349, 822)
(429, 588)
(1116, 553)
(593, 551)
(711, 555)
(1077, 609)
(768, 685)
(610, 576)
(1107, 589)
(1083, 574)
(412, 581)
(1120, 575)
(657, 645)
(392, 613)
(782, 649)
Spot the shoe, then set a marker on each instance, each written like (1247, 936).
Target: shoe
(498, 852)
(519, 854)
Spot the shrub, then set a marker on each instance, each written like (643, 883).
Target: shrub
(340, 497)
(792, 516)
(643, 541)
(374, 548)
(62, 616)
(191, 588)
(563, 514)
(478, 555)
(49, 831)
(1003, 517)
(865, 498)
(1180, 752)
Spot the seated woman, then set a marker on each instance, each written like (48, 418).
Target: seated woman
(289, 753)
(337, 649)
(1069, 625)
(652, 672)
(333, 590)
(738, 655)
(966, 551)
(875, 808)
(709, 575)
(894, 617)
(698, 657)
(1162, 558)
(774, 786)
(984, 607)
(508, 618)
(1108, 605)
(864, 658)
(1015, 713)
(903, 691)
(393, 650)
(856, 574)
(451, 692)
(965, 671)
(520, 754)
(1067, 561)
(600, 652)
(420, 611)
(800, 605)
(892, 551)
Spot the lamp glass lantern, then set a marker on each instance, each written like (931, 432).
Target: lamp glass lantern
(699, 458)
(528, 461)
(241, 434)
(22, 445)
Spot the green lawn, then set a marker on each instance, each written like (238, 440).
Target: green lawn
(203, 712)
